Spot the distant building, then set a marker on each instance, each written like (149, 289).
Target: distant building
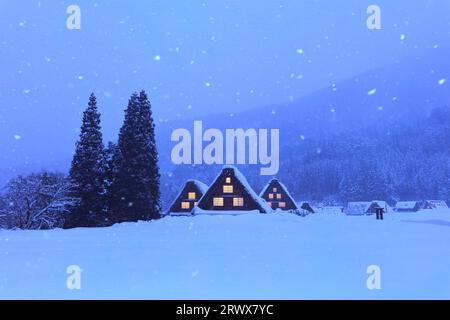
(435, 204)
(372, 209)
(306, 206)
(357, 208)
(230, 191)
(188, 198)
(366, 208)
(277, 196)
(407, 206)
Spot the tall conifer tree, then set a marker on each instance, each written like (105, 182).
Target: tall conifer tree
(86, 171)
(136, 186)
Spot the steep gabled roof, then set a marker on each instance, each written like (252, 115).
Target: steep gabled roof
(357, 208)
(441, 204)
(260, 203)
(200, 186)
(406, 205)
(277, 183)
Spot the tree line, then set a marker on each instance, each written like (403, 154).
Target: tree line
(119, 182)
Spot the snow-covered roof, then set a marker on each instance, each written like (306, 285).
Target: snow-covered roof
(357, 208)
(406, 205)
(438, 204)
(282, 186)
(382, 204)
(200, 185)
(245, 185)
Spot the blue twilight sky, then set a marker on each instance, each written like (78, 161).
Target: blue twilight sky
(193, 57)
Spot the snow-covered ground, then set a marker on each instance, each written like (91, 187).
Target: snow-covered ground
(254, 256)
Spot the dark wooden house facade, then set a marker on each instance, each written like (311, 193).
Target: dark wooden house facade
(277, 196)
(188, 198)
(230, 191)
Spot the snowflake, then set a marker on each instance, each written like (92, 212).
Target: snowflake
(157, 58)
(17, 137)
(442, 82)
(372, 92)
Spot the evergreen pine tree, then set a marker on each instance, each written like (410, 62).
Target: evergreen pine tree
(110, 164)
(86, 171)
(136, 185)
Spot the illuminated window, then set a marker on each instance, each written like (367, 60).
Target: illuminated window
(238, 202)
(185, 205)
(275, 190)
(218, 202)
(282, 204)
(192, 196)
(227, 189)
(228, 180)
(278, 195)
(270, 195)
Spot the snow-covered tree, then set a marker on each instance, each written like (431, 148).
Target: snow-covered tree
(37, 201)
(86, 172)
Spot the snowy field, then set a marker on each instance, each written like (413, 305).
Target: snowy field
(276, 256)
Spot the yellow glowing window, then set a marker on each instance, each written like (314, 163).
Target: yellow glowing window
(185, 205)
(282, 204)
(218, 202)
(275, 190)
(228, 180)
(192, 196)
(270, 195)
(227, 189)
(238, 202)
(278, 195)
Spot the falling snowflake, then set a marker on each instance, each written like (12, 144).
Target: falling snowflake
(17, 137)
(372, 92)
(207, 84)
(300, 51)
(302, 137)
(442, 82)
(380, 108)
(157, 58)
(402, 37)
